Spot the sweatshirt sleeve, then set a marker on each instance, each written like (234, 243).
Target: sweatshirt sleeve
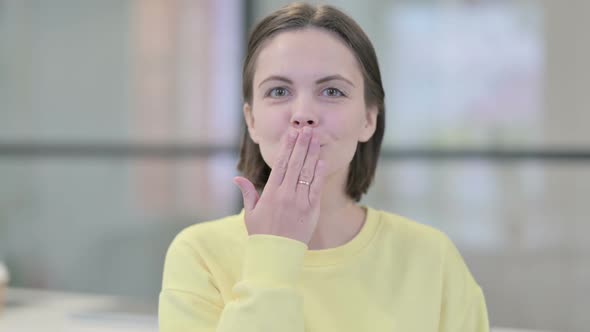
(264, 299)
(476, 315)
(463, 307)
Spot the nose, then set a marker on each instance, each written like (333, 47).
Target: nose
(304, 114)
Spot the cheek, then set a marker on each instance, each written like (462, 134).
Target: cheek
(339, 156)
(271, 123)
(345, 132)
(348, 129)
(270, 129)
(269, 151)
(272, 132)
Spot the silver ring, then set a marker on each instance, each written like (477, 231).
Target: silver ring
(303, 182)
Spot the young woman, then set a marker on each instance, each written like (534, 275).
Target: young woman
(303, 255)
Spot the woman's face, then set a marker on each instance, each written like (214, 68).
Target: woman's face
(310, 78)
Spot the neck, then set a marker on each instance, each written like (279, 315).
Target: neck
(340, 218)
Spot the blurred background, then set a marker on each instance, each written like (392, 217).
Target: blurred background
(120, 124)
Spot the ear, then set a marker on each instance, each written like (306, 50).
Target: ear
(249, 117)
(370, 124)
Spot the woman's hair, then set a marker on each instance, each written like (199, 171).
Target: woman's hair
(298, 16)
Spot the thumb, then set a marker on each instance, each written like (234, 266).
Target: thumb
(249, 193)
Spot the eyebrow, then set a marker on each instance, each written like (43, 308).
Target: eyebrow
(320, 81)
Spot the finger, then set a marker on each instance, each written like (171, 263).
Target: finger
(297, 159)
(277, 174)
(249, 193)
(308, 170)
(315, 190)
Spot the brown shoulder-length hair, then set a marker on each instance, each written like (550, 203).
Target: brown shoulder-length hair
(299, 16)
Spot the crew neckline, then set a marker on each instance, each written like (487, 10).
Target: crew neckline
(336, 255)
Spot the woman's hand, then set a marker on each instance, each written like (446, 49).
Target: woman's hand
(290, 202)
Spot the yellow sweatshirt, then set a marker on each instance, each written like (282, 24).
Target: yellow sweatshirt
(395, 275)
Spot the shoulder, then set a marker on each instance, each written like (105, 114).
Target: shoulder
(409, 232)
(212, 234)
(417, 243)
(202, 253)
(221, 226)
(425, 246)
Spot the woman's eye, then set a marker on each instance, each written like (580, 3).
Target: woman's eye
(277, 92)
(332, 92)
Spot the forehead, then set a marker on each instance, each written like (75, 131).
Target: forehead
(309, 53)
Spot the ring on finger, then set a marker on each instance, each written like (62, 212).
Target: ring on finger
(304, 182)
